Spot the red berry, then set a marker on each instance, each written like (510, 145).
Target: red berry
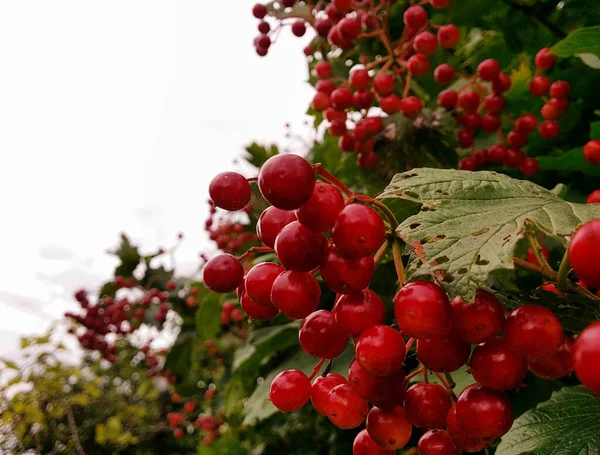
(427, 405)
(583, 253)
(440, 3)
(362, 99)
(386, 392)
(271, 222)
(490, 123)
(494, 103)
(174, 419)
(345, 408)
(591, 151)
(425, 43)
(530, 166)
(176, 398)
(556, 365)
(468, 100)
(594, 197)
(337, 128)
(383, 83)
(501, 84)
(326, 86)
(422, 309)
(471, 120)
(484, 413)
(299, 28)
(344, 275)
(514, 158)
(364, 445)
(286, 181)
(358, 311)
(290, 390)
(189, 406)
(332, 115)
(178, 433)
(343, 5)
(462, 439)
(349, 28)
(544, 59)
(359, 79)
(489, 70)
(497, 153)
(322, 209)
(539, 85)
(411, 107)
(256, 311)
(480, 157)
(443, 354)
(586, 357)
(323, 69)
(380, 350)
(389, 429)
(526, 123)
(321, 336)
(230, 191)
(516, 140)
(444, 74)
(296, 294)
(341, 99)
(346, 144)
(263, 43)
(390, 104)
(259, 282)
(321, 388)
(549, 129)
(549, 112)
(358, 231)
(418, 65)
(323, 26)
(479, 321)
(467, 164)
(259, 11)
(320, 102)
(299, 248)
(495, 366)
(448, 98)
(448, 36)
(415, 17)
(438, 442)
(560, 104)
(533, 332)
(223, 273)
(372, 125)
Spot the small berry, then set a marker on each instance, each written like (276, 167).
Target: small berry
(418, 65)
(296, 294)
(230, 191)
(344, 275)
(259, 11)
(594, 197)
(358, 231)
(495, 366)
(494, 104)
(526, 123)
(359, 79)
(321, 387)
(349, 28)
(346, 144)
(591, 151)
(560, 89)
(583, 253)
(586, 357)
(422, 309)
(290, 390)
(468, 100)
(320, 212)
(385, 392)
(383, 83)
(489, 70)
(440, 3)
(448, 36)
(380, 350)
(556, 365)
(514, 158)
(264, 27)
(427, 405)
(320, 102)
(544, 59)
(362, 99)
(549, 129)
(341, 98)
(501, 84)
(539, 85)
(448, 98)
(299, 28)
(425, 43)
(484, 413)
(444, 74)
(497, 153)
(463, 439)
(530, 167)
(299, 248)
(389, 429)
(490, 123)
(364, 445)
(271, 222)
(286, 181)
(259, 282)
(437, 442)
(256, 311)
(358, 311)
(479, 321)
(323, 69)
(443, 354)
(321, 336)
(415, 17)
(390, 104)
(411, 107)
(223, 273)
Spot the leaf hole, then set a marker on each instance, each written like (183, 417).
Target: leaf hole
(443, 193)
(442, 259)
(480, 261)
(462, 271)
(411, 194)
(408, 176)
(448, 278)
(415, 225)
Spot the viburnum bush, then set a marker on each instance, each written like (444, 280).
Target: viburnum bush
(425, 275)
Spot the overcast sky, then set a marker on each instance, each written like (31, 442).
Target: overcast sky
(114, 116)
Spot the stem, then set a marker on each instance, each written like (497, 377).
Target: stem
(450, 380)
(409, 343)
(255, 249)
(417, 372)
(425, 373)
(388, 213)
(407, 86)
(563, 272)
(328, 368)
(447, 386)
(398, 263)
(329, 177)
(537, 250)
(381, 251)
(316, 369)
(73, 427)
(252, 179)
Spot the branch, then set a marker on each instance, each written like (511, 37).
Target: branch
(73, 427)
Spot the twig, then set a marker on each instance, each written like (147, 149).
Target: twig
(398, 263)
(73, 427)
(316, 369)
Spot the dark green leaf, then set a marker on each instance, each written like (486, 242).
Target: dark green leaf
(108, 289)
(208, 316)
(156, 278)
(257, 154)
(129, 256)
(571, 161)
(581, 41)
(179, 357)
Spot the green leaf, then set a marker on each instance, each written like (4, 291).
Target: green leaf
(470, 222)
(581, 41)
(595, 131)
(571, 161)
(108, 289)
(208, 316)
(9, 364)
(129, 256)
(80, 399)
(179, 357)
(257, 154)
(567, 424)
(156, 277)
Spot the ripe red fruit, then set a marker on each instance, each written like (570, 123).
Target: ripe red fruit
(299, 28)
(390, 104)
(230, 191)
(346, 144)
(490, 123)
(591, 151)
(321, 210)
(533, 332)
(320, 101)
(444, 74)
(440, 3)
(345, 408)
(174, 419)
(299, 248)
(364, 445)
(223, 273)
(462, 439)
(296, 294)
(526, 123)
(516, 139)
(497, 153)
(259, 11)
(549, 129)
(583, 253)
(415, 17)
(443, 354)
(448, 36)
(383, 83)
(471, 120)
(178, 433)
(495, 366)
(489, 69)
(176, 398)
(427, 405)
(256, 311)
(480, 321)
(189, 406)
(448, 98)
(586, 357)
(494, 103)
(549, 112)
(286, 181)
(343, 5)
(425, 43)
(341, 98)
(418, 65)
(422, 309)
(380, 350)
(358, 311)
(288, 3)
(321, 388)
(501, 84)
(389, 429)
(484, 413)
(349, 28)
(290, 390)
(344, 275)
(386, 392)
(326, 86)
(358, 231)
(362, 99)
(337, 128)
(467, 164)
(323, 26)
(560, 104)
(359, 79)
(323, 69)
(264, 27)
(530, 166)
(333, 115)
(556, 365)
(539, 85)
(271, 222)
(411, 107)
(263, 43)
(321, 336)
(594, 197)
(480, 157)
(438, 442)
(468, 100)
(259, 282)
(544, 59)
(514, 158)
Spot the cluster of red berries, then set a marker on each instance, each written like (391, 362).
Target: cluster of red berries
(231, 236)
(209, 425)
(231, 313)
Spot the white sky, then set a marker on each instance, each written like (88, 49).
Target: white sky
(114, 116)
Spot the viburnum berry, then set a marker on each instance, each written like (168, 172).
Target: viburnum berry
(501, 84)
(288, 3)
(343, 5)
(341, 98)
(591, 151)
(299, 248)
(346, 144)
(480, 157)
(256, 311)
(290, 390)
(422, 309)
(264, 27)
(549, 129)
(372, 125)
(484, 413)
(383, 83)
(440, 3)
(594, 197)
(444, 74)
(415, 17)
(514, 158)
(259, 11)
(321, 387)
(223, 273)
(526, 123)
(490, 123)
(174, 419)
(497, 153)
(427, 405)
(437, 442)
(321, 336)
(467, 164)
(362, 99)
(471, 120)
(189, 406)
(323, 69)
(380, 350)
(333, 12)
(299, 28)
(560, 104)
(425, 43)
(271, 222)
(358, 311)
(359, 79)
(296, 294)
(344, 275)
(358, 231)
(345, 408)
(516, 140)
(530, 166)
(556, 365)
(418, 65)
(367, 160)
(448, 36)
(286, 181)
(583, 253)
(386, 392)
(259, 282)
(364, 146)
(468, 100)
(326, 86)
(448, 98)
(465, 441)
(479, 321)
(586, 357)
(443, 354)
(411, 107)
(178, 433)
(539, 85)
(176, 398)
(320, 101)
(389, 429)
(331, 114)
(364, 445)
(494, 103)
(489, 69)
(323, 26)
(322, 209)
(549, 112)
(230, 191)
(390, 104)
(544, 59)
(533, 332)
(263, 42)
(495, 366)
(349, 28)
(337, 128)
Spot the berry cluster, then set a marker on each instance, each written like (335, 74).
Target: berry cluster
(180, 420)
(230, 235)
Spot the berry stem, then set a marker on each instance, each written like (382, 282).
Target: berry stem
(252, 179)
(330, 178)
(380, 252)
(316, 369)
(447, 386)
(425, 373)
(255, 249)
(387, 212)
(328, 368)
(417, 372)
(398, 263)
(409, 343)
(563, 272)
(537, 249)
(407, 86)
